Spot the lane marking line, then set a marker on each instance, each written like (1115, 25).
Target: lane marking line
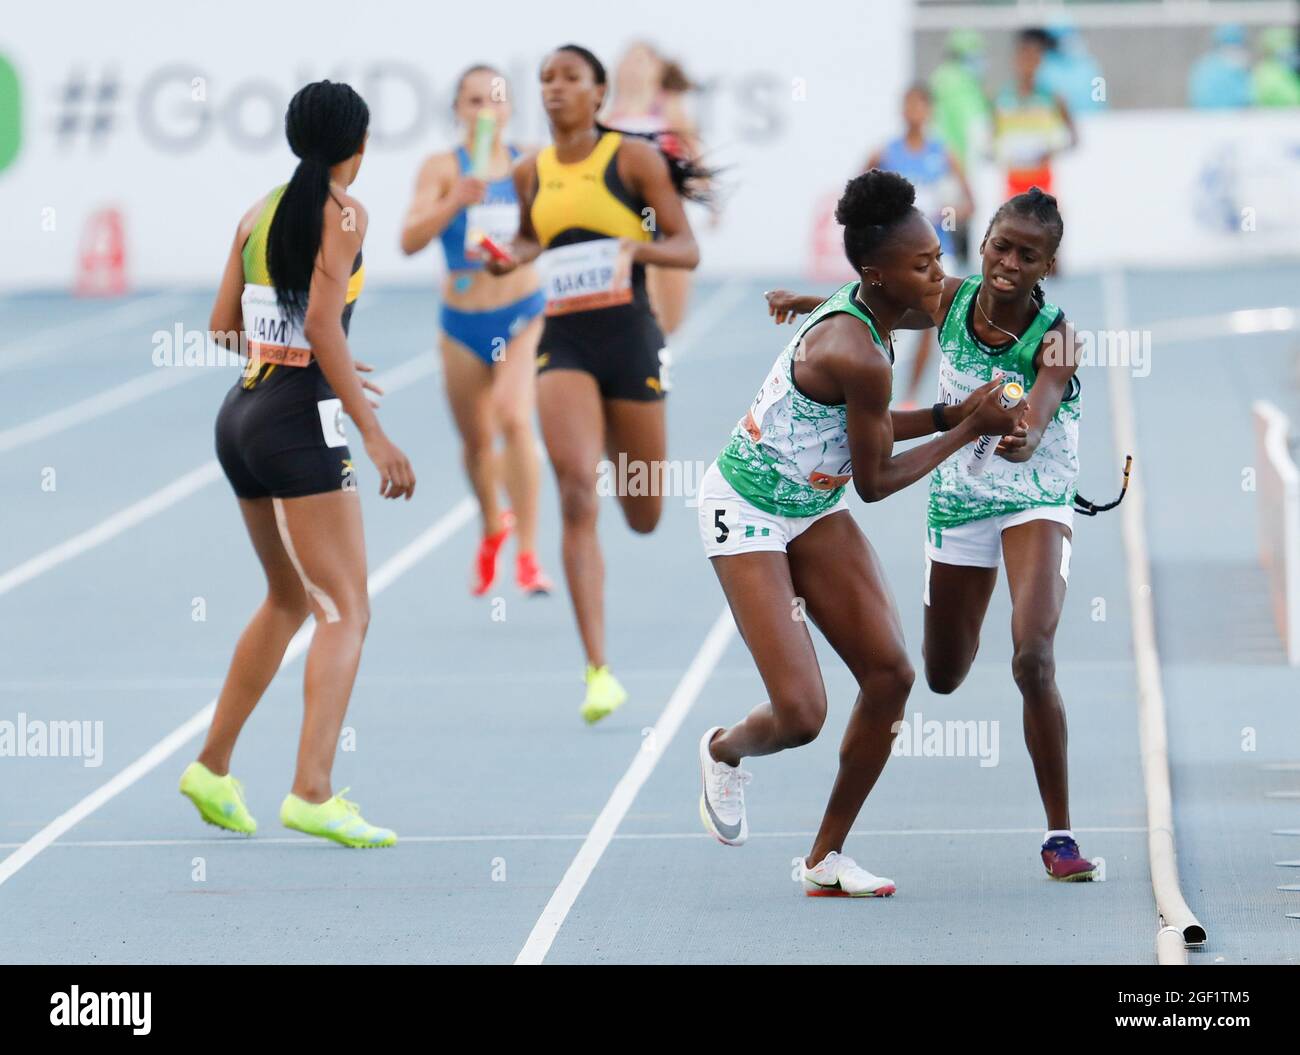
(151, 505)
(302, 840)
(620, 801)
(462, 513)
(1179, 926)
(96, 406)
(90, 329)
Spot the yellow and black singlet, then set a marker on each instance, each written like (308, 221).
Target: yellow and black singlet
(273, 340)
(585, 202)
(579, 214)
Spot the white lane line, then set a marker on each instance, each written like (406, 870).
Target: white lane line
(737, 672)
(1179, 927)
(110, 527)
(302, 840)
(652, 749)
(151, 505)
(89, 330)
(98, 405)
(384, 576)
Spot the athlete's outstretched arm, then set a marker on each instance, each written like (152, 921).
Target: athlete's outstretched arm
(913, 424)
(525, 248)
(1054, 371)
(785, 306)
(645, 172)
(877, 471)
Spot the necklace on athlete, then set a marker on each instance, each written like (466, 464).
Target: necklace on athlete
(857, 296)
(1013, 336)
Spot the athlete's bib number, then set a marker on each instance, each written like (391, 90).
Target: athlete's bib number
(581, 277)
(955, 387)
(331, 422)
(272, 338)
(498, 220)
(775, 388)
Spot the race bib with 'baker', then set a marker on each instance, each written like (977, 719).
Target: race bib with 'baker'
(271, 336)
(580, 277)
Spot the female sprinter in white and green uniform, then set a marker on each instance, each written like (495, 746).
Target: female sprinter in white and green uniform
(775, 523)
(1020, 509)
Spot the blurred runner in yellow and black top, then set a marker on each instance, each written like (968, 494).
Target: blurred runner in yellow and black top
(582, 214)
(595, 207)
(291, 278)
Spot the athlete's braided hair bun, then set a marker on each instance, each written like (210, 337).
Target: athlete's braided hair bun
(871, 206)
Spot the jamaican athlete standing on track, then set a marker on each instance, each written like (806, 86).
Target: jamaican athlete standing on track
(290, 283)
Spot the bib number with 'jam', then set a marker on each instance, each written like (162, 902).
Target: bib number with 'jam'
(272, 338)
(580, 277)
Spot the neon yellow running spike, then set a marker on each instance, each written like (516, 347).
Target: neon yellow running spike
(220, 800)
(336, 819)
(604, 695)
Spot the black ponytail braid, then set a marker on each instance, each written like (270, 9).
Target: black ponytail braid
(326, 123)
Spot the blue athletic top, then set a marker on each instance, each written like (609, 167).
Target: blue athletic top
(499, 192)
(928, 170)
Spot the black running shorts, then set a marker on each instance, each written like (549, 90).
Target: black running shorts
(284, 438)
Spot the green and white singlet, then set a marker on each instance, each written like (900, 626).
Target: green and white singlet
(789, 455)
(1048, 477)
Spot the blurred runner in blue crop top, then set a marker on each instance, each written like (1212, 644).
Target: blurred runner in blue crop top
(942, 195)
(490, 327)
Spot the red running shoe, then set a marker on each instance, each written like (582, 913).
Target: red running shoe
(530, 577)
(1063, 861)
(485, 561)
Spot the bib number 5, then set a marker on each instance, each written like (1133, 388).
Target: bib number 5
(720, 524)
(721, 528)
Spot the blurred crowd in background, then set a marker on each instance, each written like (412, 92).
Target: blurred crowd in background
(1232, 75)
